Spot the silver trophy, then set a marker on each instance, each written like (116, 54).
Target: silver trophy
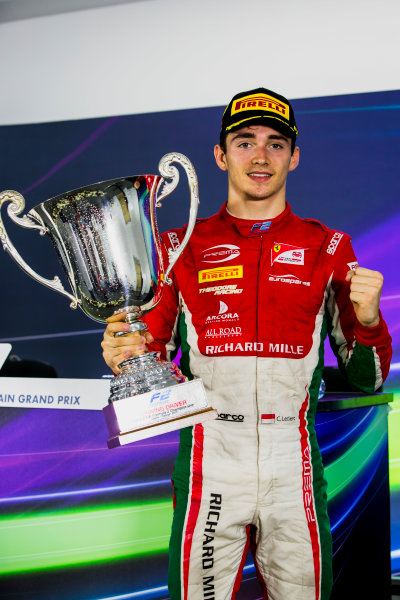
(107, 240)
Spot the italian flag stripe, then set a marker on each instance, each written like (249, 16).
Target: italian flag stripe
(194, 500)
(308, 495)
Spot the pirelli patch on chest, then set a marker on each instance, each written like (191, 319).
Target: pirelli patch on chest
(218, 273)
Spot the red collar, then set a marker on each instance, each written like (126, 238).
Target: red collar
(250, 227)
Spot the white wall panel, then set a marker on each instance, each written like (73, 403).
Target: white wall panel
(172, 54)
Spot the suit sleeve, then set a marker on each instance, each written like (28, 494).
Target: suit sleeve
(363, 353)
(162, 321)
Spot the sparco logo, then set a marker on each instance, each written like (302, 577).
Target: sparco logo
(221, 253)
(333, 244)
(223, 315)
(229, 417)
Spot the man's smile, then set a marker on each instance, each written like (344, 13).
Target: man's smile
(259, 176)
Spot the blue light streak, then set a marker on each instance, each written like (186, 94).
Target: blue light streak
(141, 594)
(87, 492)
(379, 448)
(338, 441)
(158, 590)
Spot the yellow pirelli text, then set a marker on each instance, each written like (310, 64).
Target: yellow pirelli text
(260, 101)
(219, 273)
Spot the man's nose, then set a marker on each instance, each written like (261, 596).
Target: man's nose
(260, 155)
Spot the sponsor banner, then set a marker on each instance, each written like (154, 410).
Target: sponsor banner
(334, 242)
(260, 101)
(285, 253)
(26, 392)
(235, 272)
(220, 253)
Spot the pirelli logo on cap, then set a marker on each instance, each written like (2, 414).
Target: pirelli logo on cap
(219, 273)
(260, 102)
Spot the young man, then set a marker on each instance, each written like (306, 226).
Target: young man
(254, 295)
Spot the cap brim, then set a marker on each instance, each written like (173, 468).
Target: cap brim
(267, 120)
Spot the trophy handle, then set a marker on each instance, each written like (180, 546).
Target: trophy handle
(167, 170)
(15, 208)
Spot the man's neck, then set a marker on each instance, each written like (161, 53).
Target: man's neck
(255, 210)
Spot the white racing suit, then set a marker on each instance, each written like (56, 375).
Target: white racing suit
(250, 306)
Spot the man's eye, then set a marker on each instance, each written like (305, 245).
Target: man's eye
(276, 146)
(244, 145)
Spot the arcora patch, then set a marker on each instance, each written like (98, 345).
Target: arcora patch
(223, 315)
(220, 253)
(285, 253)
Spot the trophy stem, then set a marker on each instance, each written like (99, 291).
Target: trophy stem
(144, 373)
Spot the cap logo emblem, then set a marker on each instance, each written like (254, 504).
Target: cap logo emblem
(261, 102)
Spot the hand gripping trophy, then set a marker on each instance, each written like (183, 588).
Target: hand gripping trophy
(108, 243)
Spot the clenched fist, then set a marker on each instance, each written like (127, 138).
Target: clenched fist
(365, 293)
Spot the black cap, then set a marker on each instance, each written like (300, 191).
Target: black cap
(259, 107)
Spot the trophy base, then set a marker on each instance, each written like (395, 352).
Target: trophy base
(153, 430)
(157, 412)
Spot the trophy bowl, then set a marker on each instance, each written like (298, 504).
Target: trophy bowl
(107, 240)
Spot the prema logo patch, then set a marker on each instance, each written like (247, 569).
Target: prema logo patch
(267, 419)
(220, 253)
(285, 253)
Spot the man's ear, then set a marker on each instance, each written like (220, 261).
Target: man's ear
(295, 158)
(220, 157)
